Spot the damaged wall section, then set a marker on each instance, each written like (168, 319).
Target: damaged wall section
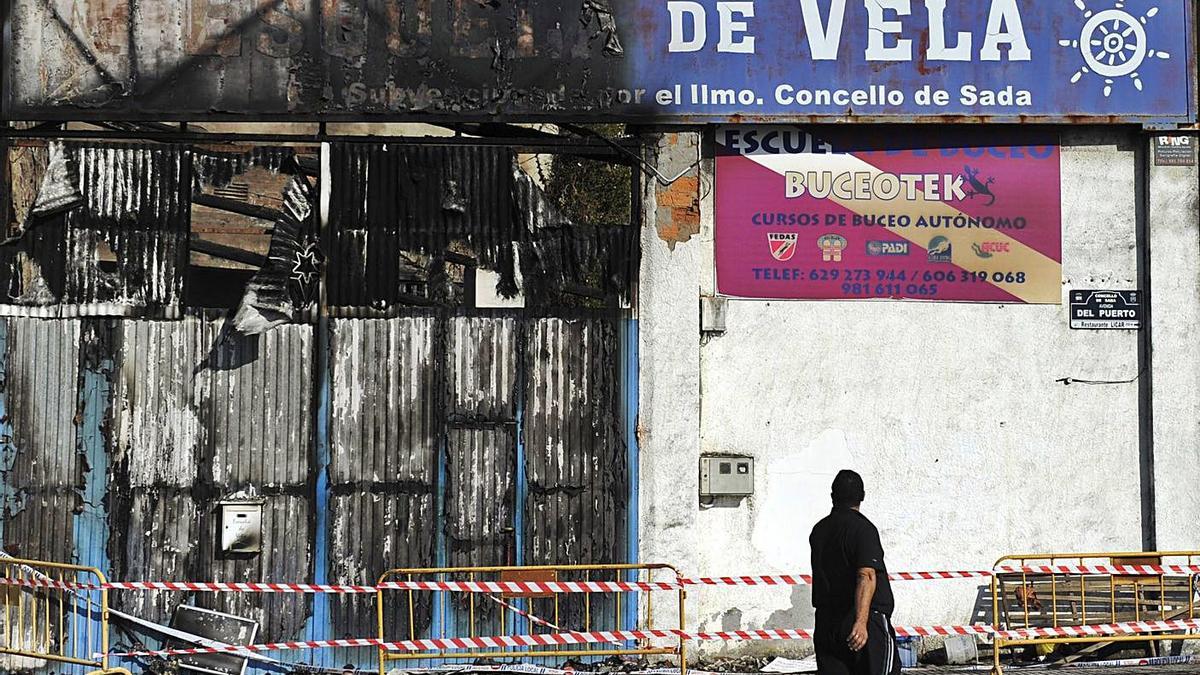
(106, 233)
(455, 435)
(189, 432)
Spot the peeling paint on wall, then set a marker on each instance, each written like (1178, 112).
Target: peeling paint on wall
(678, 203)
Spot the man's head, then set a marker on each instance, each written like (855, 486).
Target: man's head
(848, 491)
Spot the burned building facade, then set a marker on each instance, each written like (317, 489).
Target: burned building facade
(456, 284)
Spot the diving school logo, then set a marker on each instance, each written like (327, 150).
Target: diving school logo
(832, 246)
(881, 248)
(989, 248)
(940, 249)
(783, 245)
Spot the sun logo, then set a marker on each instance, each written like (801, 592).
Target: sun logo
(1113, 44)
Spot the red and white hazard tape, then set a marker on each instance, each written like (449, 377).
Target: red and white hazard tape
(189, 586)
(1114, 570)
(1125, 628)
(236, 587)
(528, 587)
(522, 613)
(579, 638)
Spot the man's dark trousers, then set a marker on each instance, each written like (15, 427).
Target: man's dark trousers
(880, 656)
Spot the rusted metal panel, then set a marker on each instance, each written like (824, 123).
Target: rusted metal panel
(631, 60)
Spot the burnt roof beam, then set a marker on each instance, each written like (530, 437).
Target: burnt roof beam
(231, 253)
(237, 206)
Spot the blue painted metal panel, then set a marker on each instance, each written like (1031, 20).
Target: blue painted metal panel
(631, 390)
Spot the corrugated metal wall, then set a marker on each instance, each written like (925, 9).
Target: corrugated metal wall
(423, 431)
(122, 250)
(384, 438)
(42, 466)
(197, 420)
(436, 437)
(386, 200)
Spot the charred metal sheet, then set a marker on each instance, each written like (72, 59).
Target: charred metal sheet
(40, 400)
(288, 282)
(575, 456)
(385, 402)
(42, 463)
(287, 554)
(260, 410)
(219, 169)
(385, 434)
(136, 210)
(480, 490)
(398, 213)
(388, 201)
(157, 425)
(483, 369)
(371, 531)
(113, 241)
(160, 539)
(192, 429)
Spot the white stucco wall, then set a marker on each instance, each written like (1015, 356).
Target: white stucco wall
(969, 447)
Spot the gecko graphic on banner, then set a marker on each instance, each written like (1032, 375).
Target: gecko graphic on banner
(841, 213)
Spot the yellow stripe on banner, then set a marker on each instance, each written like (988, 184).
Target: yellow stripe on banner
(1043, 274)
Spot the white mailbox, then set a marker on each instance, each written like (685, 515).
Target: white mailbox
(241, 526)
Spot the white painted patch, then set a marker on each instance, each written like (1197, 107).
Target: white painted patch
(797, 492)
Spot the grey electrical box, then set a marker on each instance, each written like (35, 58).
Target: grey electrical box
(241, 526)
(712, 314)
(726, 476)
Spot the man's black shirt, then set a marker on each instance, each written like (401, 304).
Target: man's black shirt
(842, 543)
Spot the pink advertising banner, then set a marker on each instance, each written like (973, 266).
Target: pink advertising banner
(961, 215)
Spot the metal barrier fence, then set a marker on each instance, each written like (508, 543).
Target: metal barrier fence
(45, 618)
(1053, 598)
(428, 612)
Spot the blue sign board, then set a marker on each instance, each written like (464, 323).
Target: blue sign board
(641, 61)
(999, 59)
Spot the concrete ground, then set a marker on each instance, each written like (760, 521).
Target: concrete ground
(1189, 669)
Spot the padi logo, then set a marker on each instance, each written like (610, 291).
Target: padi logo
(881, 248)
(783, 245)
(989, 248)
(832, 246)
(940, 249)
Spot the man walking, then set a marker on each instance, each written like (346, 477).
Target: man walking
(851, 592)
